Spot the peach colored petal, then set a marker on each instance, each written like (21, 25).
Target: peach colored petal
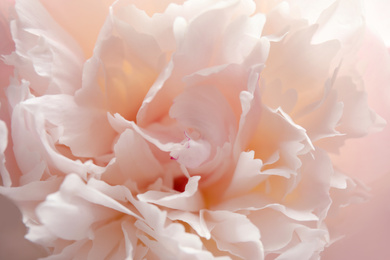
(131, 152)
(118, 80)
(81, 19)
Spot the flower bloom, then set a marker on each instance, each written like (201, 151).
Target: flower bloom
(182, 129)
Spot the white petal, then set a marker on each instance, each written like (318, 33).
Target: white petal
(235, 234)
(60, 213)
(189, 200)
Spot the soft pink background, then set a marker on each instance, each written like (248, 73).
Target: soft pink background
(367, 226)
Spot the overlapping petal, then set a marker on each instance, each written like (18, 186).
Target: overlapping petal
(183, 129)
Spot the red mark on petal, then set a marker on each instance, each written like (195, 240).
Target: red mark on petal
(179, 184)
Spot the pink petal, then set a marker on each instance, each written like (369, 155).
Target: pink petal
(44, 54)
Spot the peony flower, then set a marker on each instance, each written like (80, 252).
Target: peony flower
(183, 129)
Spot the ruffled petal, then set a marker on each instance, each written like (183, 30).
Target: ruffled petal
(189, 200)
(44, 54)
